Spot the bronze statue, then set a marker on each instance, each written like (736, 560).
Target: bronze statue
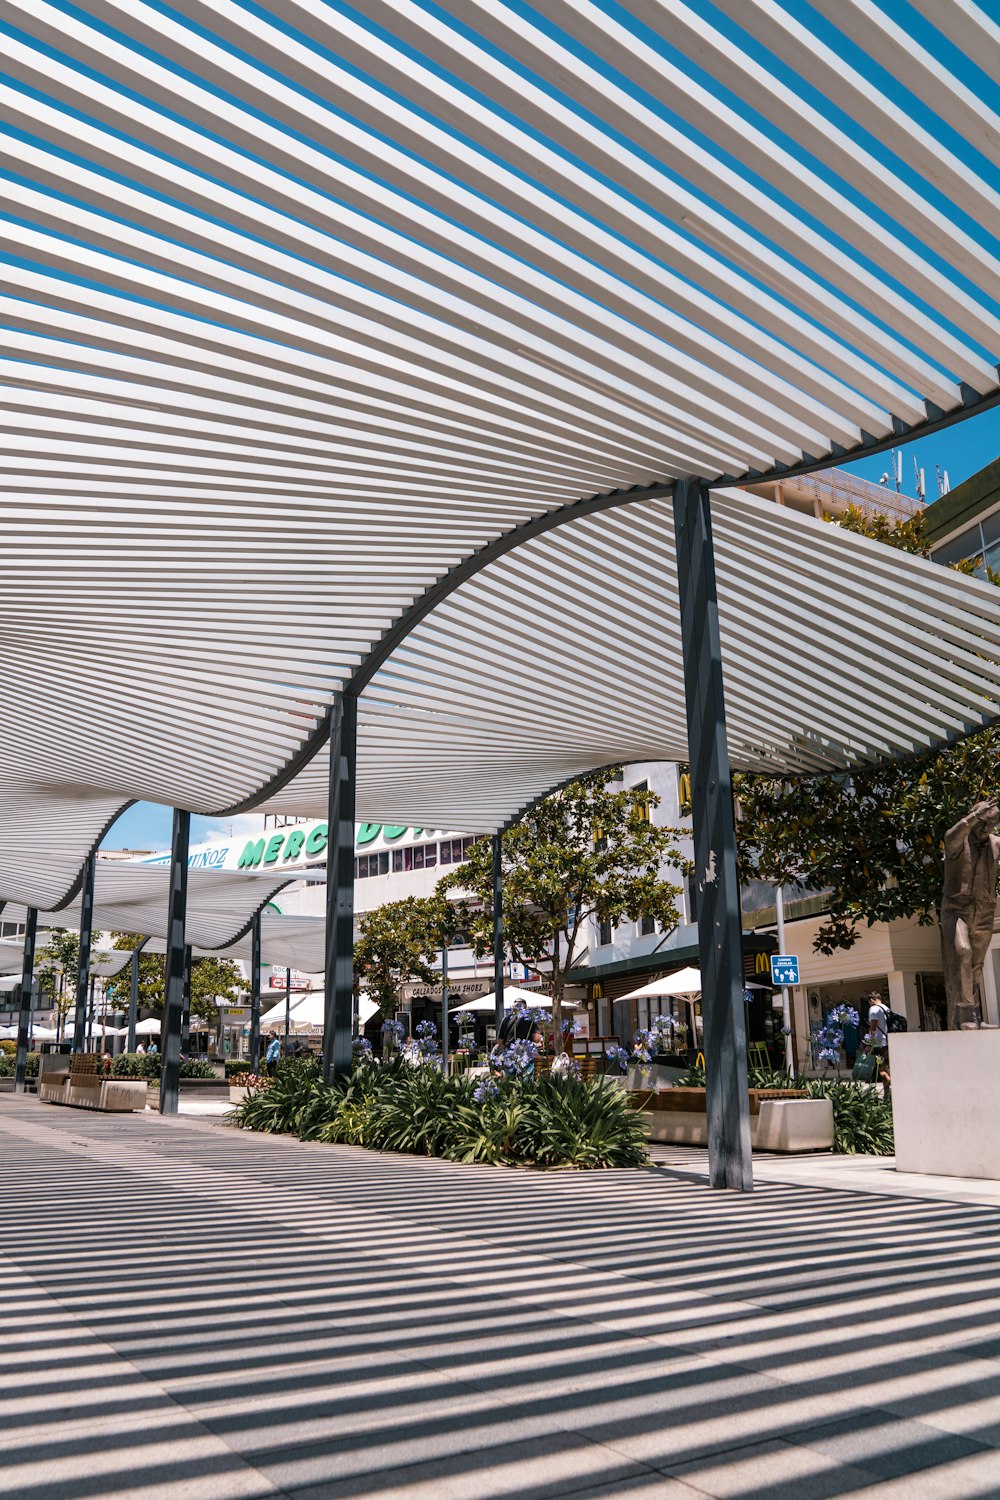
(968, 905)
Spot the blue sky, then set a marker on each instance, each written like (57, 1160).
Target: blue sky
(962, 450)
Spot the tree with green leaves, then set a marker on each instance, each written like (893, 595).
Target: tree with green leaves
(397, 943)
(589, 852)
(872, 840)
(212, 979)
(57, 962)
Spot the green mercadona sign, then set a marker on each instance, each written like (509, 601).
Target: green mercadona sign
(308, 841)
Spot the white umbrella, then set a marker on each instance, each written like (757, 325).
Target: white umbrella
(147, 1028)
(97, 1029)
(366, 1009)
(684, 983)
(512, 992)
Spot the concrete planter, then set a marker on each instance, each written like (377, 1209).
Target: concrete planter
(944, 1102)
(676, 1116)
(237, 1093)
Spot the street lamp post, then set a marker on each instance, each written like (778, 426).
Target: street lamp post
(786, 996)
(27, 997)
(498, 965)
(444, 1007)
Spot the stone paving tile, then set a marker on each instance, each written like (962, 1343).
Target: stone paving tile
(775, 1470)
(888, 1447)
(550, 1465)
(327, 1322)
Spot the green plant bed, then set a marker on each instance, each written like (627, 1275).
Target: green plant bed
(545, 1122)
(862, 1118)
(9, 1059)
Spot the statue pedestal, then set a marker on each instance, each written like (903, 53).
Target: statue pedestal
(944, 1102)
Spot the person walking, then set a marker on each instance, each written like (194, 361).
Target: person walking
(272, 1054)
(878, 1035)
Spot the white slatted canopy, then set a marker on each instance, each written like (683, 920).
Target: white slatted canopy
(221, 904)
(303, 309)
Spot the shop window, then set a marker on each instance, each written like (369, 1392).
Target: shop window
(641, 808)
(407, 859)
(418, 857)
(446, 851)
(647, 926)
(383, 863)
(397, 861)
(430, 856)
(467, 847)
(605, 934)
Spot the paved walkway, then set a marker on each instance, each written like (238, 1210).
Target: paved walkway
(191, 1312)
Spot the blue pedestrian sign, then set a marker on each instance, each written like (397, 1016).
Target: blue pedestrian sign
(784, 969)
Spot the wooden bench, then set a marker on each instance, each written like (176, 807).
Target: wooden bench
(79, 1081)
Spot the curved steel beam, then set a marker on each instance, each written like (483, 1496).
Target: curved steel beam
(428, 600)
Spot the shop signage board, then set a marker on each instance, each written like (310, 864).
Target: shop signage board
(784, 969)
(295, 844)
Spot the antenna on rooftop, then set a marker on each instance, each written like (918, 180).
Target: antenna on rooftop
(918, 474)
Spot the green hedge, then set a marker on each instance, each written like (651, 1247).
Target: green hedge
(136, 1065)
(142, 1065)
(238, 1066)
(545, 1122)
(7, 1061)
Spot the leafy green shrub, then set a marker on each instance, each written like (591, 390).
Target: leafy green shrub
(237, 1066)
(546, 1122)
(136, 1065)
(9, 1059)
(197, 1067)
(862, 1118)
(8, 1046)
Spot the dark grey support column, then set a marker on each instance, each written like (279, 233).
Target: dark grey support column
(255, 994)
(27, 1000)
(83, 970)
(719, 917)
(288, 1009)
(133, 996)
(186, 1008)
(173, 1002)
(498, 928)
(339, 1017)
